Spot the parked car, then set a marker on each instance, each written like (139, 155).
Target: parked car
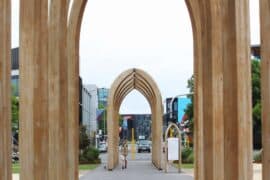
(102, 147)
(144, 145)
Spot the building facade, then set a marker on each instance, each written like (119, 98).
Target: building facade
(86, 110)
(103, 94)
(93, 91)
(141, 124)
(15, 71)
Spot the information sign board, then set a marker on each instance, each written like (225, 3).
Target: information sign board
(173, 149)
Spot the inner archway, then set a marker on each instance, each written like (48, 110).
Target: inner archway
(126, 82)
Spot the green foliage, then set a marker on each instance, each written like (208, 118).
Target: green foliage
(90, 155)
(102, 123)
(15, 113)
(256, 103)
(187, 155)
(257, 156)
(120, 120)
(87, 154)
(256, 82)
(189, 109)
(84, 139)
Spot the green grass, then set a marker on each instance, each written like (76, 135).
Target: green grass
(185, 166)
(88, 166)
(16, 167)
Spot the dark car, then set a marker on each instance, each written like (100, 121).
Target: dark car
(144, 145)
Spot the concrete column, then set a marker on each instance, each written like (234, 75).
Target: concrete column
(34, 144)
(5, 89)
(265, 84)
(237, 90)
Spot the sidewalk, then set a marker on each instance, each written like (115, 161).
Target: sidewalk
(143, 170)
(17, 176)
(137, 170)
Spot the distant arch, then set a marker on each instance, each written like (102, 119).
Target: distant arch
(173, 125)
(126, 82)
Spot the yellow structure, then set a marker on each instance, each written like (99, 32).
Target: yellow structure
(133, 145)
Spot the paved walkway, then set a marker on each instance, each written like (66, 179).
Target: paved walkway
(137, 170)
(142, 170)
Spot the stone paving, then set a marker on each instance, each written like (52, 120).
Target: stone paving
(141, 169)
(137, 170)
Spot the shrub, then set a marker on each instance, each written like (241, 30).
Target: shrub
(257, 156)
(90, 155)
(190, 158)
(187, 155)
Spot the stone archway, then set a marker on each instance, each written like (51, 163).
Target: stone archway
(121, 87)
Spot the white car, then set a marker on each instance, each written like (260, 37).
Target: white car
(102, 147)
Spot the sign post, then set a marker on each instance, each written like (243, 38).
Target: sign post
(173, 147)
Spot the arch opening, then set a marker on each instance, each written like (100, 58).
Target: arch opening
(221, 62)
(126, 82)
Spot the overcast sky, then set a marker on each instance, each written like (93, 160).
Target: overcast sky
(154, 35)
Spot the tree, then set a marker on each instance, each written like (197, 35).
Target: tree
(256, 102)
(189, 108)
(15, 113)
(102, 123)
(84, 139)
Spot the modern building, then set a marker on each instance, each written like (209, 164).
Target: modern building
(255, 52)
(93, 90)
(103, 94)
(141, 124)
(15, 71)
(86, 109)
(176, 113)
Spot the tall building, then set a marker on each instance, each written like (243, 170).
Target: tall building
(103, 94)
(141, 124)
(15, 71)
(85, 107)
(255, 52)
(177, 111)
(93, 90)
